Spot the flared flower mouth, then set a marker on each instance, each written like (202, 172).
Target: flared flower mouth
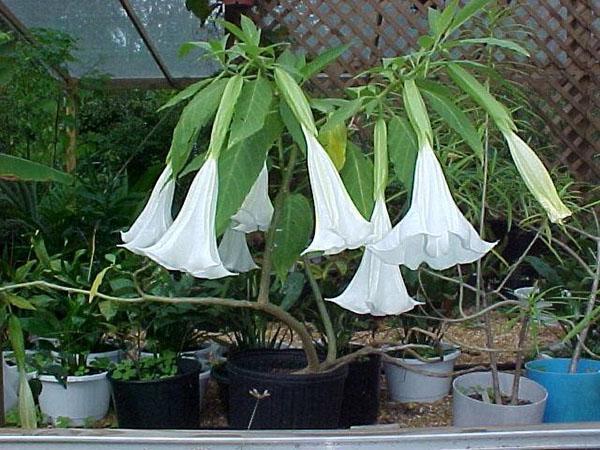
(256, 210)
(190, 243)
(377, 288)
(155, 218)
(338, 223)
(434, 230)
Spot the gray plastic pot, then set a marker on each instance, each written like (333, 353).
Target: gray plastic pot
(408, 386)
(468, 412)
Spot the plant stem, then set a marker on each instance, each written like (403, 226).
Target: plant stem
(590, 307)
(329, 331)
(267, 263)
(514, 400)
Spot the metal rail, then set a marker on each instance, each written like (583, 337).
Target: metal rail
(547, 436)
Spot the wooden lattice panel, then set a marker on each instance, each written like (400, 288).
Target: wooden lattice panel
(564, 46)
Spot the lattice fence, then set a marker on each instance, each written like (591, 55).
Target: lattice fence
(563, 43)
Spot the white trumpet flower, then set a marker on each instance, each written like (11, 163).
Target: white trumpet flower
(234, 252)
(433, 230)
(190, 243)
(257, 210)
(155, 218)
(338, 223)
(377, 288)
(536, 177)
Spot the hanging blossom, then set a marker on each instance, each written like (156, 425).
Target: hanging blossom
(190, 243)
(536, 177)
(234, 252)
(255, 214)
(434, 230)
(257, 210)
(155, 218)
(377, 288)
(338, 223)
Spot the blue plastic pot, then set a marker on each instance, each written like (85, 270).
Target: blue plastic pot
(572, 397)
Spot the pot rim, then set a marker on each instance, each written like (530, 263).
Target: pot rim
(198, 370)
(448, 357)
(553, 373)
(74, 378)
(456, 391)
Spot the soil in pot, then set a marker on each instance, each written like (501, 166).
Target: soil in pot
(360, 405)
(168, 403)
(468, 411)
(572, 397)
(264, 394)
(408, 386)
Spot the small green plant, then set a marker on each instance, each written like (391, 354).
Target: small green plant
(149, 368)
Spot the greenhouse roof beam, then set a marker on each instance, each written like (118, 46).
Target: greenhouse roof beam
(18, 26)
(147, 41)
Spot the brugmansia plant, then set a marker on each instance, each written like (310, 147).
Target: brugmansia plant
(263, 126)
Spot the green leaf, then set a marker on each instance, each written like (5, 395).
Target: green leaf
(403, 149)
(239, 167)
(200, 8)
(108, 309)
(15, 335)
(477, 91)
(186, 93)
(346, 111)
(39, 248)
(334, 142)
(295, 99)
(357, 176)
(417, 112)
(381, 158)
(250, 30)
(453, 115)
(224, 114)
(292, 290)
(195, 115)
(97, 282)
(292, 233)
(27, 410)
(251, 111)
(470, 9)
(433, 18)
(13, 168)
(292, 125)
(323, 60)
(18, 301)
(510, 45)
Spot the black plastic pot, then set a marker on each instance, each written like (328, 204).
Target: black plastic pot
(361, 392)
(307, 401)
(170, 403)
(220, 374)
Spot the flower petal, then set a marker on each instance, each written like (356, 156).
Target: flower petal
(190, 244)
(377, 288)
(155, 218)
(434, 230)
(339, 224)
(536, 177)
(257, 210)
(234, 252)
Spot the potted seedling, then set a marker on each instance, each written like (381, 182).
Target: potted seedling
(573, 383)
(160, 391)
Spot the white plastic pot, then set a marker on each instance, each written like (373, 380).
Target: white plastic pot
(468, 412)
(10, 377)
(85, 397)
(407, 386)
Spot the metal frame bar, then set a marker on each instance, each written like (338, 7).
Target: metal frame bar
(18, 26)
(135, 20)
(385, 437)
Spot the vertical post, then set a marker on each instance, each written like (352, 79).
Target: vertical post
(72, 107)
(2, 412)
